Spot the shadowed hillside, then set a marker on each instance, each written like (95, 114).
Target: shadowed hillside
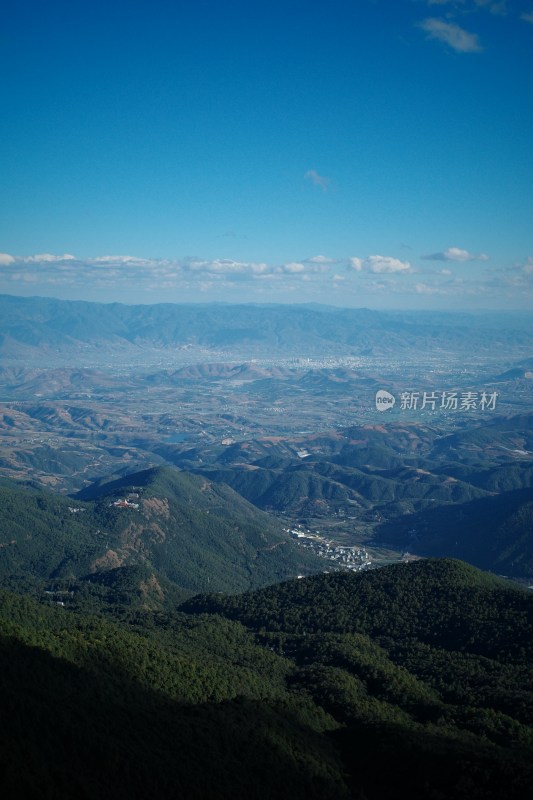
(411, 680)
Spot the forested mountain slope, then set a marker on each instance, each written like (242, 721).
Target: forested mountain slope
(196, 534)
(413, 680)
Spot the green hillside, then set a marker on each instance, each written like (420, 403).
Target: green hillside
(92, 710)
(294, 488)
(414, 680)
(444, 602)
(494, 533)
(191, 532)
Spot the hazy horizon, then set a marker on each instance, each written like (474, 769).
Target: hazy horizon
(292, 303)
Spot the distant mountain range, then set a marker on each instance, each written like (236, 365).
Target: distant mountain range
(55, 327)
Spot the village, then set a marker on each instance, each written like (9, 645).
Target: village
(345, 557)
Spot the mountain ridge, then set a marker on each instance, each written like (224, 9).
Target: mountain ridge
(57, 326)
(192, 532)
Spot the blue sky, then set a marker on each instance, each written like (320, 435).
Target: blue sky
(366, 153)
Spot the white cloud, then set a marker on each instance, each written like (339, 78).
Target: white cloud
(129, 278)
(456, 254)
(527, 17)
(46, 258)
(118, 260)
(379, 264)
(387, 264)
(451, 34)
(292, 267)
(225, 266)
(316, 179)
(321, 260)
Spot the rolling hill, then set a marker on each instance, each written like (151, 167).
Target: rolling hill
(493, 533)
(186, 529)
(293, 488)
